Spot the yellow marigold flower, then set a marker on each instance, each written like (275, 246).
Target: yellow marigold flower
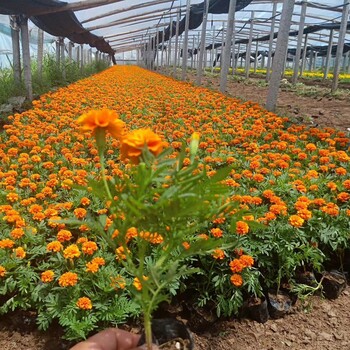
(72, 251)
(84, 303)
(89, 247)
(242, 228)
(296, 220)
(135, 141)
(68, 279)
(64, 235)
(236, 280)
(47, 276)
(2, 271)
(105, 119)
(20, 253)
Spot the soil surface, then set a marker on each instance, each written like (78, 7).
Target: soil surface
(322, 324)
(320, 110)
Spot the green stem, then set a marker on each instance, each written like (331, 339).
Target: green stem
(148, 328)
(104, 176)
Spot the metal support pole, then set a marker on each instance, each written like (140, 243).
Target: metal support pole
(26, 57)
(249, 46)
(169, 42)
(202, 45)
(299, 42)
(269, 57)
(212, 52)
(176, 41)
(63, 63)
(185, 43)
(14, 21)
(340, 46)
(303, 61)
(227, 48)
(40, 53)
(281, 50)
(256, 54)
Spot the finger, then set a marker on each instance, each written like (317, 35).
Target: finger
(109, 339)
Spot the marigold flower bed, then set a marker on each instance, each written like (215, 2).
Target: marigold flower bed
(291, 183)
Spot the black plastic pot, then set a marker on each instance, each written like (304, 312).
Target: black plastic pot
(279, 304)
(168, 332)
(333, 283)
(256, 309)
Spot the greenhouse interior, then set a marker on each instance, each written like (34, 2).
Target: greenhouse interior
(174, 174)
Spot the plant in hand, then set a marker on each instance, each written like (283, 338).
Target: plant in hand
(157, 211)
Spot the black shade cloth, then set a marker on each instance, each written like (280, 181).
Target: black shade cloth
(61, 24)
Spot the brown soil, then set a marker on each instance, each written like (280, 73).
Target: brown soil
(323, 325)
(323, 110)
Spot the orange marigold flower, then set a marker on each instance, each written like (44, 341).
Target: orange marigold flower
(72, 251)
(2, 271)
(79, 213)
(85, 201)
(236, 280)
(296, 220)
(346, 184)
(246, 260)
(12, 197)
(47, 276)
(216, 232)
(64, 235)
(105, 119)
(218, 254)
(6, 243)
(186, 245)
(20, 253)
(134, 142)
(54, 246)
(92, 267)
(242, 228)
(120, 253)
(68, 279)
(305, 214)
(137, 283)
(118, 282)
(236, 265)
(17, 233)
(343, 196)
(99, 261)
(89, 247)
(84, 303)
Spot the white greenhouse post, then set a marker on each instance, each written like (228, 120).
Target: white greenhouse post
(299, 42)
(227, 48)
(222, 45)
(81, 58)
(40, 53)
(169, 43)
(256, 54)
(202, 44)
(26, 58)
(162, 53)
(156, 50)
(185, 43)
(315, 61)
(272, 31)
(345, 61)
(192, 52)
(340, 45)
(16, 49)
(70, 49)
(176, 41)
(249, 46)
(281, 50)
(58, 48)
(348, 69)
(212, 52)
(63, 63)
(236, 60)
(303, 61)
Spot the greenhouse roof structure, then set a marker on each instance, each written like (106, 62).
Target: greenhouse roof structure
(125, 25)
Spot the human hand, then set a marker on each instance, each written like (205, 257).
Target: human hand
(111, 339)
